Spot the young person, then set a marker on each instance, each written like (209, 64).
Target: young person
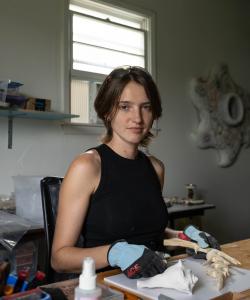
(112, 194)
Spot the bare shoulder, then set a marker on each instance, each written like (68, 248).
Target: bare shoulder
(88, 161)
(158, 164)
(159, 168)
(85, 170)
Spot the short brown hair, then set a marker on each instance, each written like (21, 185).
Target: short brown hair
(106, 102)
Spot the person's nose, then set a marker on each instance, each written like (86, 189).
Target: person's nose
(137, 115)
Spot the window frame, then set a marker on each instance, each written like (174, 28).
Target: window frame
(150, 44)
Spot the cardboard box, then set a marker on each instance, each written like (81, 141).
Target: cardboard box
(38, 104)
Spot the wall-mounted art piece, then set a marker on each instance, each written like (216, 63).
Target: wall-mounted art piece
(223, 109)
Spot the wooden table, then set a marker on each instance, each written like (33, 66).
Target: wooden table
(239, 250)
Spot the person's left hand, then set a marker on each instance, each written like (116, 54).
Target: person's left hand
(203, 239)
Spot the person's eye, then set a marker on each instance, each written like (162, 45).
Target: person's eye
(124, 107)
(147, 107)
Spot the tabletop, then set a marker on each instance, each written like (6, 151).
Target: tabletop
(239, 250)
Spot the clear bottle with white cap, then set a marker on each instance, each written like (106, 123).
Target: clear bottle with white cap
(87, 289)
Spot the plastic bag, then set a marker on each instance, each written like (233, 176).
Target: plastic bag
(12, 229)
(28, 195)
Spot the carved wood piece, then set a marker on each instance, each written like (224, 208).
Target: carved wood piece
(209, 251)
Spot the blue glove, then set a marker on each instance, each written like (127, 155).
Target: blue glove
(135, 261)
(194, 234)
(203, 239)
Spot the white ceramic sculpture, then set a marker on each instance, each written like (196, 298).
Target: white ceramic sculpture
(176, 277)
(223, 110)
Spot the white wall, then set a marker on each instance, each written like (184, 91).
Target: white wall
(191, 37)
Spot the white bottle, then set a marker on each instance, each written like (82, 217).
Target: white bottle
(87, 289)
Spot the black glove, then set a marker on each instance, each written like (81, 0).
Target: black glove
(203, 239)
(135, 261)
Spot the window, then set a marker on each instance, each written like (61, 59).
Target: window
(103, 37)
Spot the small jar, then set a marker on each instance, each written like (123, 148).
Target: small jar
(191, 189)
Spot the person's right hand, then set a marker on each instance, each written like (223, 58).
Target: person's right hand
(135, 261)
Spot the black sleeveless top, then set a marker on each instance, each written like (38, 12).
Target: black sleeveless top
(127, 204)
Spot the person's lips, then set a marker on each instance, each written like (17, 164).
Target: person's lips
(136, 129)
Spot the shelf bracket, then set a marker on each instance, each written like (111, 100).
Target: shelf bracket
(10, 131)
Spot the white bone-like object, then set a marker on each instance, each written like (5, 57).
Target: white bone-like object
(218, 275)
(209, 251)
(176, 277)
(221, 267)
(219, 261)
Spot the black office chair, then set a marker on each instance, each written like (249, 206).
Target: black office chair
(50, 187)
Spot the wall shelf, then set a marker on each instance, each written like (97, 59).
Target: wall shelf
(12, 113)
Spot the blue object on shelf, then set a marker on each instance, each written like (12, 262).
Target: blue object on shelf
(18, 100)
(14, 84)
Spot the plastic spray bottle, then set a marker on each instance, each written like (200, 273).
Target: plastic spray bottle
(87, 289)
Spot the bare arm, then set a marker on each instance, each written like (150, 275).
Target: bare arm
(80, 182)
(160, 171)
